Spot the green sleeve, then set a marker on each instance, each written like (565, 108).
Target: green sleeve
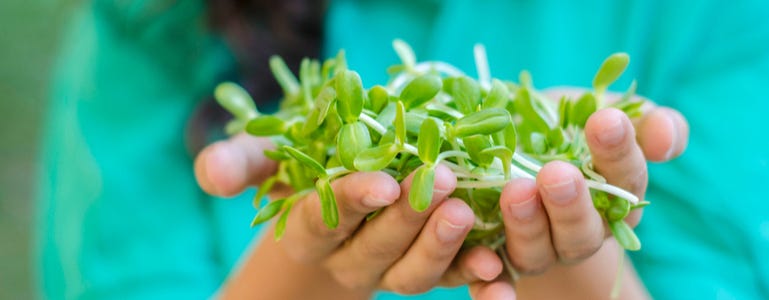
(707, 231)
(121, 216)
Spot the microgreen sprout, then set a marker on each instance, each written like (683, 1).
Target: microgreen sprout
(487, 131)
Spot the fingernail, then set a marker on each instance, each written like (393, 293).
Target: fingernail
(612, 133)
(448, 232)
(375, 201)
(524, 211)
(562, 192)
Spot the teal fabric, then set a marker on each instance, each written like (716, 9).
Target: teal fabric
(121, 216)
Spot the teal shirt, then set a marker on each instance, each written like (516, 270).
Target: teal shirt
(121, 215)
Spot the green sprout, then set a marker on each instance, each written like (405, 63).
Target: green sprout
(487, 131)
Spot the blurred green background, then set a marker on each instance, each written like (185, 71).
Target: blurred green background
(29, 33)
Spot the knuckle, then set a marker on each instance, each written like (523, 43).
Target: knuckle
(350, 279)
(577, 253)
(532, 269)
(409, 287)
(377, 250)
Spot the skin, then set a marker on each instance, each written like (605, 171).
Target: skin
(554, 235)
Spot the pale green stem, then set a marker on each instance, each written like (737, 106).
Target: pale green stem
(482, 66)
(423, 67)
(370, 122)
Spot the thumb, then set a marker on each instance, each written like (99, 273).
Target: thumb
(226, 168)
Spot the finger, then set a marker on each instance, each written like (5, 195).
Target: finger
(663, 134)
(385, 238)
(475, 264)
(500, 288)
(527, 228)
(308, 239)
(430, 255)
(576, 228)
(227, 167)
(616, 155)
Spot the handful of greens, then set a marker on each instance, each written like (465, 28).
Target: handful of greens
(487, 131)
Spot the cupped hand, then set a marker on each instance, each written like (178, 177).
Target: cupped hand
(399, 250)
(551, 220)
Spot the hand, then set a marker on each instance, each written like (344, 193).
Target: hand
(399, 250)
(552, 220)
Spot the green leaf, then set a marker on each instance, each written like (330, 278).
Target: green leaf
(353, 138)
(600, 201)
(466, 93)
(235, 100)
(280, 226)
(538, 143)
(284, 76)
(474, 145)
(631, 108)
(276, 155)
(323, 103)
(511, 137)
(333, 123)
(378, 98)
(349, 92)
(564, 109)
(498, 95)
(524, 78)
(400, 123)
(328, 209)
(628, 95)
(524, 106)
(421, 193)
(376, 158)
(313, 166)
(619, 209)
(305, 79)
(504, 154)
(583, 109)
(640, 204)
(610, 70)
(555, 137)
(263, 189)
(414, 120)
(266, 126)
(405, 53)
(340, 62)
(625, 235)
(486, 121)
(429, 141)
(267, 212)
(235, 126)
(420, 90)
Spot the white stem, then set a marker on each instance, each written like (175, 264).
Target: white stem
(467, 184)
(373, 124)
(334, 172)
(459, 171)
(482, 66)
(410, 149)
(526, 162)
(452, 153)
(479, 224)
(611, 189)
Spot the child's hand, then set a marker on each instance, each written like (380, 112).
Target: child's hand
(553, 221)
(399, 250)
